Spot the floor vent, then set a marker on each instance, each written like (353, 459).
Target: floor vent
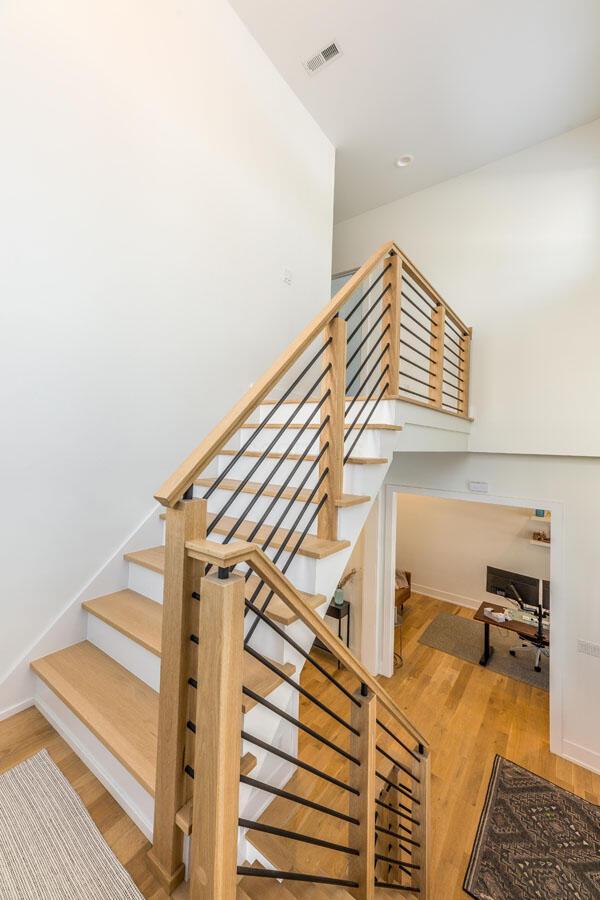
(325, 56)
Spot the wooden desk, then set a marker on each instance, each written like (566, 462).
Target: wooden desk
(520, 628)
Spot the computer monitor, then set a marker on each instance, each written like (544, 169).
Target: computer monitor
(500, 582)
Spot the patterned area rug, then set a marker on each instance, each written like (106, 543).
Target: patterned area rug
(50, 848)
(535, 841)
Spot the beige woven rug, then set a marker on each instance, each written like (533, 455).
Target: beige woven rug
(50, 848)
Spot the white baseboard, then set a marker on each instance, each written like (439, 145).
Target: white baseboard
(129, 794)
(15, 708)
(589, 759)
(446, 596)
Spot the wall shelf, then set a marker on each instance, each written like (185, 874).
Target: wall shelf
(540, 543)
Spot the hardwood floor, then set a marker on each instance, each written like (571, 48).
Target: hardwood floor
(468, 714)
(28, 732)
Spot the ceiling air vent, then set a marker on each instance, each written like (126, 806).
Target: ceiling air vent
(322, 58)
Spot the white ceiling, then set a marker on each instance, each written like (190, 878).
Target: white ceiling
(457, 83)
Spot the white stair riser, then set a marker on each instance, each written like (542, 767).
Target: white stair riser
(145, 582)
(385, 412)
(356, 477)
(269, 511)
(301, 572)
(128, 653)
(370, 442)
(134, 799)
(295, 513)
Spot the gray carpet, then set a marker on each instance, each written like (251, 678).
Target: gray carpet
(535, 841)
(50, 849)
(464, 638)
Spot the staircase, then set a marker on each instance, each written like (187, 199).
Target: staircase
(191, 692)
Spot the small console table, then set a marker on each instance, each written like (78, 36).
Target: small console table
(338, 612)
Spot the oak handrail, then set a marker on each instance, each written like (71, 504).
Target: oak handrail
(171, 491)
(241, 551)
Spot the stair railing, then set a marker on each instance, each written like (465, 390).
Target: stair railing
(377, 763)
(385, 331)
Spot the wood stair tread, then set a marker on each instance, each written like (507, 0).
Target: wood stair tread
(296, 426)
(294, 457)
(271, 490)
(118, 708)
(133, 614)
(184, 816)
(127, 608)
(312, 546)
(154, 558)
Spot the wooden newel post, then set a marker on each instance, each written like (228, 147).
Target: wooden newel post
(422, 793)
(362, 807)
(218, 739)
(465, 350)
(392, 280)
(185, 522)
(436, 365)
(333, 409)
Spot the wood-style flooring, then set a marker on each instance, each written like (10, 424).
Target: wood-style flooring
(467, 713)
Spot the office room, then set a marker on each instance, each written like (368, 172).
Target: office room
(473, 588)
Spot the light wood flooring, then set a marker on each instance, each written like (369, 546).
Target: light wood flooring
(468, 714)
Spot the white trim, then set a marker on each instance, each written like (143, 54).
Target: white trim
(559, 619)
(129, 794)
(589, 759)
(16, 708)
(446, 596)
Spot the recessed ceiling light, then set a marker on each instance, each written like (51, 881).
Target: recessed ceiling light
(404, 161)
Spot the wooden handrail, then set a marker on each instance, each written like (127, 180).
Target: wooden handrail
(222, 554)
(176, 485)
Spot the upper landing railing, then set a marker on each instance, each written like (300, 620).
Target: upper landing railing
(387, 315)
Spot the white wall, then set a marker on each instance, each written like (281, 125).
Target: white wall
(571, 487)
(448, 544)
(157, 178)
(513, 247)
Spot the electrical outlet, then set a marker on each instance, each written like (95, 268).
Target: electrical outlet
(588, 647)
(479, 487)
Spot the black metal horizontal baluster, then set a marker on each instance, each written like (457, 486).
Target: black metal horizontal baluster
(266, 452)
(423, 397)
(398, 812)
(415, 349)
(367, 292)
(364, 424)
(359, 325)
(407, 868)
(296, 493)
(371, 370)
(417, 365)
(398, 764)
(364, 403)
(395, 737)
(392, 886)
(408, 281)
(296, 646)
(367, 336)
(450, 324)
(251, 739)
(295, 876)
(452, 341)
(414, 378)
(301, 690)
(290, 559)
(417, 337)
(448, 349)
(296, 836)
(454, 375)
(399, 837)
(406, 792)
(367, 358)
(416, 306)
(266, 420)
(287, 795)
(405, 312)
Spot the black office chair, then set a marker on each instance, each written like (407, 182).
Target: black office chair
(537, 642)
